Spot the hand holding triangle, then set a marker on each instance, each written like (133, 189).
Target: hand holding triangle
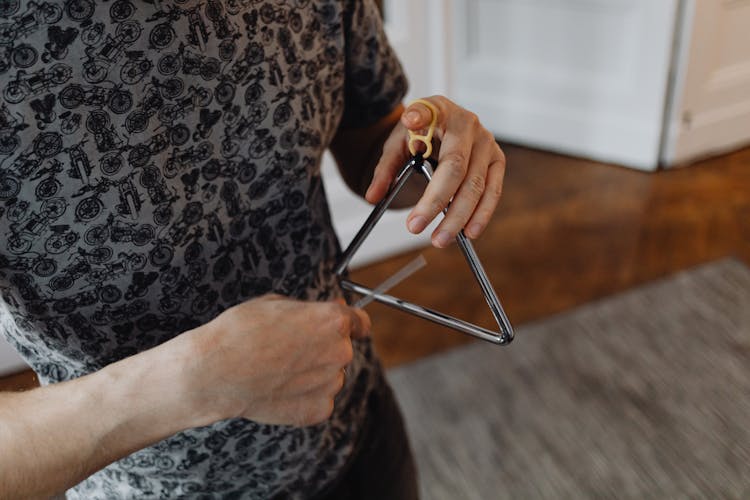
(418, 164)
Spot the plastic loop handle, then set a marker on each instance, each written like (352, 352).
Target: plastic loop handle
(427, 138)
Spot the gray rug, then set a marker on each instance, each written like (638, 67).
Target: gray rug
(643, 395)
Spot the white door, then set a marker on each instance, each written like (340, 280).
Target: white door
(586, 77)
(711, 106)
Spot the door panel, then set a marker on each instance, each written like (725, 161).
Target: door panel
(587, 77)
(711, 108)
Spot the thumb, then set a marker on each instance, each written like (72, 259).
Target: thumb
(417, 116)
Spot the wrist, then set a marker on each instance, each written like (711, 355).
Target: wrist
(193, 384)
(154, 390)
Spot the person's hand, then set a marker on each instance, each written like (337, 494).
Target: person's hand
(469, 174)
(274, 360)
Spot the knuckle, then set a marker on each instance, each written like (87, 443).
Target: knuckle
(476, 185)
(456, 162)
(337, 317)
(440, 100)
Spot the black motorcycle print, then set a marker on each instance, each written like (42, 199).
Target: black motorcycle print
(195, 98)
(79, 10)
(136, 69)
(32, 84)
(190, 63)
(36, 15)
(113, 97)
(156, 92)
(162, 35)
(10, 126)
(102, 56)
(21, 56)
(119, 231)
(180, 160)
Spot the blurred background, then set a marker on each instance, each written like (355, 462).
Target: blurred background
(624, 123)
(619, 251)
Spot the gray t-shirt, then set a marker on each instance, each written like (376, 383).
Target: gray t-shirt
(159, 163)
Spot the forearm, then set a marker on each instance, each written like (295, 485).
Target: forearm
(54, 437)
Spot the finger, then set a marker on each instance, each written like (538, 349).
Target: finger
(417, 116)
(489, 200)
(468, 195)
(396, 150)
(363, 324)
(338, 383)
(346, 321)
(394, 155)
(321, 380)
(329, 386)
(453, 163)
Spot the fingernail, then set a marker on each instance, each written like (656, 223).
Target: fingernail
(475, 229)
(417, 224)
(413, 116)
(442, 239)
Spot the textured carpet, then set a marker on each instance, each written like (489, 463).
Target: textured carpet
(642, 395)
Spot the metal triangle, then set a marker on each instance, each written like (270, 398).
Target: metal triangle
(501, 337)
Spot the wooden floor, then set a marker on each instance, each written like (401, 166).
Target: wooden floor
(568, 231)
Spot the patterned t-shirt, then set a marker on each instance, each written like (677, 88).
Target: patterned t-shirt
(159, 163)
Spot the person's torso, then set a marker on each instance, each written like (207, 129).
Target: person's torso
(158, 161)
(159, 164)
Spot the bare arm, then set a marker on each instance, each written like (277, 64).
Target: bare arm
(53, 437)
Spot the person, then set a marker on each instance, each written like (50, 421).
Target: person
(167, 250)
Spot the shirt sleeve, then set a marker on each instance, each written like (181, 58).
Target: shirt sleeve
(375, 82)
